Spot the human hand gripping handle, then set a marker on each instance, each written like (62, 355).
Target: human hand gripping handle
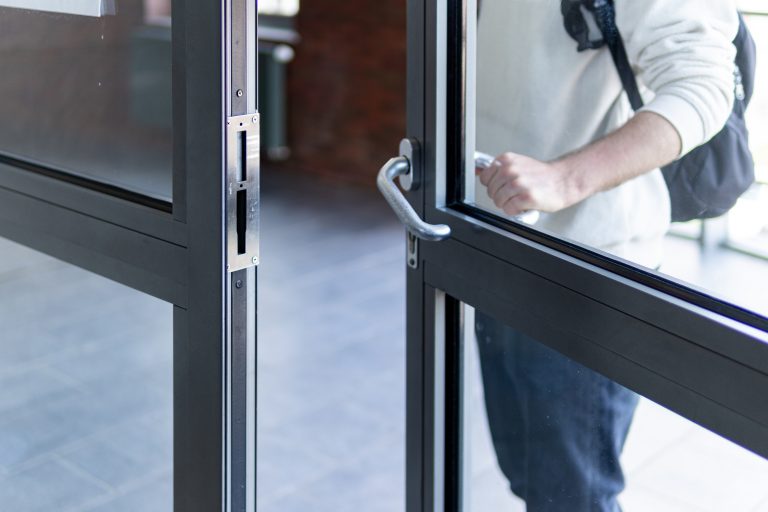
(518, 183)
(483, 164)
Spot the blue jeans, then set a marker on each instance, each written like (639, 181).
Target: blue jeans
(558, 428)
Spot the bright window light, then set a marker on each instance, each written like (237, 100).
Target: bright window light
(748, 221)
(74, 7)
(279, 7)
(753, 6)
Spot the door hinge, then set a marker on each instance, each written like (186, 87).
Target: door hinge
(242, 193)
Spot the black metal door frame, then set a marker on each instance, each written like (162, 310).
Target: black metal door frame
(176, 252)
(705, 359)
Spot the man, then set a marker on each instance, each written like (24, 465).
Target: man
(568, 145)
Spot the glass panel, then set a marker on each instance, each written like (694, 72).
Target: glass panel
(86, 402)
(555, 124)
(90, 95)
(331, 363)
(543, 431)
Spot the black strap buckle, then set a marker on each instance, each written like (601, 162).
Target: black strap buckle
(576, 24)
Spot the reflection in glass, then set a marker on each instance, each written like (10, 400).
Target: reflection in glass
(542, 431)
(86, 397)
(539, 105)
(90, 96)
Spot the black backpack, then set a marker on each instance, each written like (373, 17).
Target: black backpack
(709, 180)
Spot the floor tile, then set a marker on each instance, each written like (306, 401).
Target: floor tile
(155, 496)
(47, 487)
(708, 472)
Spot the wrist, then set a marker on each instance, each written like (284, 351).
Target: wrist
(574, 182)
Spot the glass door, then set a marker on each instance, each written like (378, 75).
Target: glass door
(565, 352)
(129, 148)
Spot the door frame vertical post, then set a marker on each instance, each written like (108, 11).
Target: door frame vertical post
(199, 329)
(419, 303)
(214, 335)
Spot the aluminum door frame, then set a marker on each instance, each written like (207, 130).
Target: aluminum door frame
(659, 337)
(175, 251)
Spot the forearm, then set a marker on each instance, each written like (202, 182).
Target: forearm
(517, 183)
(645, 142)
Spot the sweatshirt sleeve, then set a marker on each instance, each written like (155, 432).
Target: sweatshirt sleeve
(682, 50)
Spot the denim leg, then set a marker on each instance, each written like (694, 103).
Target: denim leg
(563, 424)
(504, 400)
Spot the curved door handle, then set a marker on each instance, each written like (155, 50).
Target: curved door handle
(401, 166)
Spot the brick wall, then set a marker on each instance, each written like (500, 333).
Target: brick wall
(346, 87)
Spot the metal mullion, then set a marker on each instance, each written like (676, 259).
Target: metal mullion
(547, 301)
(200, 329)
(179, 104)
(418, 314)
(125, 213)
(34, 168)
(421, 421)
(455, 101)
(154, 266)
(713, 331)
(453, 352)
(468, 218)
(433, 402)
(433, 370)
(417, 437)
(669, 369)
(418, 317)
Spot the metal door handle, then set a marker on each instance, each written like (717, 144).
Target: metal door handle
(401, 166)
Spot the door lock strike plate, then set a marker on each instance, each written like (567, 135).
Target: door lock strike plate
(243, 165)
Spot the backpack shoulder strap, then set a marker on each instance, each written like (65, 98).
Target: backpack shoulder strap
(605, 17)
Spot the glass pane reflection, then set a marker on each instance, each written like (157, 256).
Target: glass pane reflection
(536, 96)
(541, 429)
(90, 96)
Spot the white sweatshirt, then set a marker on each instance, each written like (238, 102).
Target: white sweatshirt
(538, 96)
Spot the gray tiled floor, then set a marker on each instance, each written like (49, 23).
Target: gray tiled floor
(85, 408)
(85, 373)
(331, 365)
